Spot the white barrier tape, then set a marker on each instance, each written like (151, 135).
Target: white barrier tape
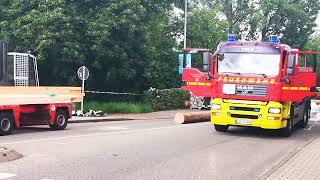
(113, 93)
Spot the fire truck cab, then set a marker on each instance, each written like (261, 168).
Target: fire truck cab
(257, 84)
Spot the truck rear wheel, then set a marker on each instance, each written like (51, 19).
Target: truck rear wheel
(6, 123)
(61, 120)
(221, 128)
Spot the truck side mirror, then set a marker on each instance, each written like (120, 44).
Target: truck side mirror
(314, 89)
(180, 68)
(290, 65)
(206, 61)
(220, 57)
(289, 72)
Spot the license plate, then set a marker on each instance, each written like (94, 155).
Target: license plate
(243, 121)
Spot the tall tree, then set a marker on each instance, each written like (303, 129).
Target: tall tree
(313, 44)
(206, 29)
(294, 20)
(111, 37)
(161, 71)
(45, 29)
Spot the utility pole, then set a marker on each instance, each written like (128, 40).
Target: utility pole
(185, 23)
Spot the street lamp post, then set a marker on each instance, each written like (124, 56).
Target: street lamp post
(185, 23)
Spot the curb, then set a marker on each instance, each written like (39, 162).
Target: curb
(101, 120)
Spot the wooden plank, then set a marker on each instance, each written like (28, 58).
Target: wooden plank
(36, 90)
(39, 95)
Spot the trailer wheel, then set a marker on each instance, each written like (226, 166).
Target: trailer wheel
(6, 123)
(286, 132)
(61, 120)
(221, 128)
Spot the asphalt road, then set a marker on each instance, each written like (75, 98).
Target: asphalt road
(149, 149)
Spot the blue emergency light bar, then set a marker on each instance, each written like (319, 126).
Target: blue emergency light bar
(232, 37)
(273, 38)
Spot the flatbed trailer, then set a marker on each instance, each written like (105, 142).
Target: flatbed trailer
(23, 102)
(29, 106)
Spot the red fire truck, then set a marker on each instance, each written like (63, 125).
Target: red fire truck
(257, 84)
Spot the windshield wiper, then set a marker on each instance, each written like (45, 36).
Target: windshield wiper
(237, 73)
(261, 74)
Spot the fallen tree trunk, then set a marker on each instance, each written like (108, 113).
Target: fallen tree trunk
(192, 117)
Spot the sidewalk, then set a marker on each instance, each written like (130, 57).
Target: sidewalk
(161, 115)
(305, 164)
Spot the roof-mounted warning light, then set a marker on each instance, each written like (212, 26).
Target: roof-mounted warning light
(232, 37)
(274, 38)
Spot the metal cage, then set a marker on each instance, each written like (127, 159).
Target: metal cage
(25, 70)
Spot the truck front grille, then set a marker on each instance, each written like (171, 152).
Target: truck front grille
(244, 109)
(251, 90)
(244, 116)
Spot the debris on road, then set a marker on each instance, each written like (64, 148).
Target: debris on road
(90, 113)
(8, 154)
(192, 117)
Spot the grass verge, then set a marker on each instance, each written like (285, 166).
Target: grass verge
(117, 107)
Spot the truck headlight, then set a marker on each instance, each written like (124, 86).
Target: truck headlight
(274, 110)
(215, 106)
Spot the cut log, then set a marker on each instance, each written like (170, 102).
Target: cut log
(192, 117)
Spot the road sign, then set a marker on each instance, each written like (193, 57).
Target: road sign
(83, 73)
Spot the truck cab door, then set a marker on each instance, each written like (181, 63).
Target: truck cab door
(197, 73)
(301, 75)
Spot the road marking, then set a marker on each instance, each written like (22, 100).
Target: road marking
(310, 127)
(46, 179)
(6, 175)
(105, 133)
(108, 128)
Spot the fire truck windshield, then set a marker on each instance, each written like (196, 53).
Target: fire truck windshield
(249, 64)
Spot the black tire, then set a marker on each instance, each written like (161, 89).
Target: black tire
(6, 123)
(221, 128)
(286, 132)
(305, 120)
(60, 121)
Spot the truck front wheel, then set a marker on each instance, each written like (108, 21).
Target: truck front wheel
(286, 132)
(61, 120)
(221, 128)
(304, 122)
(6, 123)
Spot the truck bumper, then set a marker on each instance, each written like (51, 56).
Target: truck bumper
(249, 113)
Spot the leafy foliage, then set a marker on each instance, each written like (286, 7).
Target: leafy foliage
(117, 40)
(314, 45)
(206, 29)
(167, 99)
(293, 20)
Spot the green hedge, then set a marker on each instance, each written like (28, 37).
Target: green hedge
(166, 99)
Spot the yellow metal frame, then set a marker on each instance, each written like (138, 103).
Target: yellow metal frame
(223, 116)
